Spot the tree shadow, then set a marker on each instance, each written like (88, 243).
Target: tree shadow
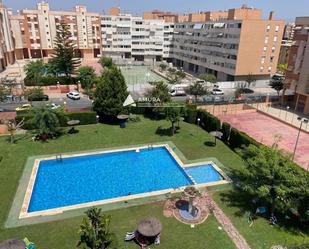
(210, 144)
(166, 131)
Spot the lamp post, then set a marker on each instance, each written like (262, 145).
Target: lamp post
(302, 120)
(287, 110)
(198, 124)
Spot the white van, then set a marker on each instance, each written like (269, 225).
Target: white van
(178, 90)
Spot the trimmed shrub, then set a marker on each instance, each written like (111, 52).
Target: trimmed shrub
(84, 118)
(239, 139)
(226, 130)
(191, 114)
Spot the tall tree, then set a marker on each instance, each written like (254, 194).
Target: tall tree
(273, 178)
(160, 92)
(282, 67)
(173, 113)
(250, 79)
(110, 94)
(209, 78)
(197, 89)
(65, 54)
(106, 62)
(95, 232)
(86, 76)
(277, 85)
(34, 71)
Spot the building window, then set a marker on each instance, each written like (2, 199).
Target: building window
(261, 69)
(266, 39)
(277, 29)
(271, 59)
(264, 49)
(273, 49)
(275, 38)
(263, 59)
(268, 28)
(269, 69)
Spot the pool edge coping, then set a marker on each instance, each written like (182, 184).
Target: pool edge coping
(23, 194)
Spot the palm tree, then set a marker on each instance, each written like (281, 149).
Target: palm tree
(95, 231)
(45, 120)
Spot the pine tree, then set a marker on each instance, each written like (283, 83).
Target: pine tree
(110, 93)
(64, 56)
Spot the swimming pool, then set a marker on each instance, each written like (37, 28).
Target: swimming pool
(85, 180)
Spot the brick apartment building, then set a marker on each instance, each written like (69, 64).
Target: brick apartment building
(34, 31)
(297, 75)
(230, 45)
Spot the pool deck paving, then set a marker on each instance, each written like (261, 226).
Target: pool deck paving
(263, 128)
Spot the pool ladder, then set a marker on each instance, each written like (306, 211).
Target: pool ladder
(59, 158)
(150, 147)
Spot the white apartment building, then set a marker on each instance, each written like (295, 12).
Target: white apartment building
(125, 36)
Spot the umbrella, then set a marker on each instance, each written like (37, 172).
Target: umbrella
(149, 227)
(12, 244)
(216, 134)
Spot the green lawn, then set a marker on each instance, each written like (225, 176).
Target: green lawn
(63, 234)
(260, 235)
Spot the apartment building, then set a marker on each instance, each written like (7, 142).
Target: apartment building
(7, 46)
(297, 75)
(286, 44)
(127, 36)
(35, 30)
(160, 15)
(230, 48)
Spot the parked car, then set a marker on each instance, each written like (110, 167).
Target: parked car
(247, 90)
(36, 97)
(73, 95)
(53, 106)
(24, 107)
(217, 91)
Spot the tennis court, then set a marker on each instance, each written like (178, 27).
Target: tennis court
(264, 128)
(139, 75)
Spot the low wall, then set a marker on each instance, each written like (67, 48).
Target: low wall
(228, 109)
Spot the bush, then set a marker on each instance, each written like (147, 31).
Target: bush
(84, 118)
(239, 139)
(226, 130)
(191, 114)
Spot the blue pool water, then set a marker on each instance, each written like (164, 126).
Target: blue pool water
(204, 174)
(84, 179)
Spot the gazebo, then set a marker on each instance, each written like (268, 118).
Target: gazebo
(13, 244)
(148, 231)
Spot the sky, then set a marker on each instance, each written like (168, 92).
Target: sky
(284, 9)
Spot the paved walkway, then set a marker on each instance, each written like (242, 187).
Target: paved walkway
(226, 223)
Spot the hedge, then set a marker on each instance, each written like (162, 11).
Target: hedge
(226, 130)
(239, 139)
(209, 122)
(52, 80)
(84, 118)
(191, 114)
